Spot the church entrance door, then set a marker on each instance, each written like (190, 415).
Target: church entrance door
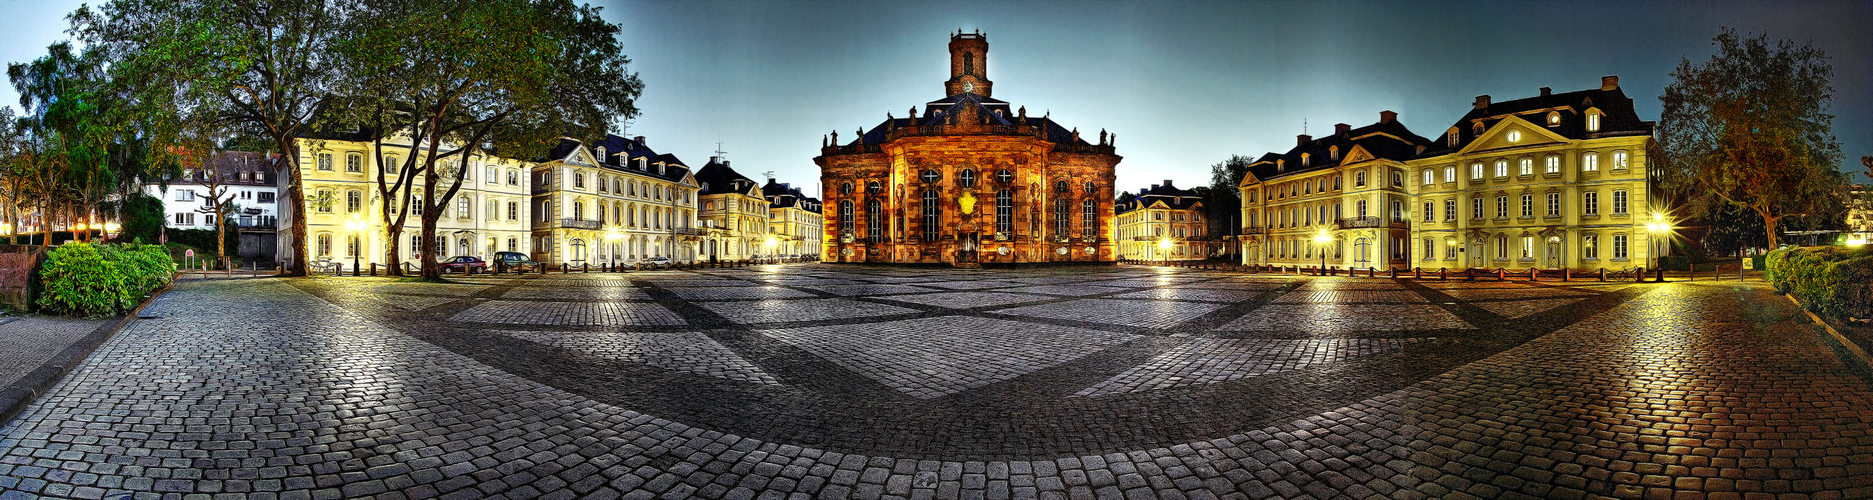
(970, 249)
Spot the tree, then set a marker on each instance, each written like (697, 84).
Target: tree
(214, 175)
(1749, 129)
(1222, 202)
(264, 65)
(477, 76)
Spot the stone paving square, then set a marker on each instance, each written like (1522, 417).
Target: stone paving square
(1207, 361)
(1067, 290)
(569, 313)
(969, 300)
(935, 357)
(1337, 318)
(750, 292)
(690, 352)
(1523, 308)
(867, 289)
(964, 284)
(1349, 296)
(1469, 294)
(1192, 293)
(796, 310)
(609, 293)
(1154, 314)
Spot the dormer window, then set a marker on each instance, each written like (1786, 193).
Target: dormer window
(1451, 137)
(601, 154)
(1593, 121)
(643, 163)
(1554, 118)
(1333, 153)
(1476, 129)
(1306, 159)
(1281, 165)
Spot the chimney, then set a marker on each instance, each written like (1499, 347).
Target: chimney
(1388, 116)
(1545, 91)
(1301, 140)
(640, 141)
(1609, 82)
(1482, 101)
(1167, 183)
(714, 159)
(1341, 129)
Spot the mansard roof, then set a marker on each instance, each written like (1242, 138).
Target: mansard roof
(784, 195)
(1166, 193)
(621, 154)
(1386, 139)
(716, 178)
(1618, 117)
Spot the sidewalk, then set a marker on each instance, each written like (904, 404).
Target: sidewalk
(36, 350)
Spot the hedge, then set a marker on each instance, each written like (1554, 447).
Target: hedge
(1834, 281)
(82, 279)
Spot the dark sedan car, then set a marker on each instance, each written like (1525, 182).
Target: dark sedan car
(464, 264)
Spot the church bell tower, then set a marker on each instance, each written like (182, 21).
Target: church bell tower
(969, 68)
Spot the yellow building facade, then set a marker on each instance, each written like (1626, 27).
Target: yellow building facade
(1162, 223)
(1337, 201)
(794, 221)
(734, 215)
(344, 217)
(1546, 182)
(614, 201)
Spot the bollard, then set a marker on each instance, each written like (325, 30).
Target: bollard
(1501, 274)
(1661, 275)
(1640, 272)
(1567, 274)
(585, 267)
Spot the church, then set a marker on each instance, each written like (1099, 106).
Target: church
(968, 181)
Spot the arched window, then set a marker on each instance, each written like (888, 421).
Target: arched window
(874, 221)
(872, 187)
(1089, 224)
(845, 218)
(845, 188)
(969, 63)
(967, 177)
(930, 214)
(1005, 213)
(1060, 187)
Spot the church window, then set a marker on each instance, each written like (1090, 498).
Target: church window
(1090, 187)
(967, 178)
(1005, 212)
(1004, 175)
(1060, 187)
(845, 217)
(930, 176)
(1088, 225)
(874, 222)
(930, 213)
(845, 188)
(969, 63)
(872, 187)
(1062, 221)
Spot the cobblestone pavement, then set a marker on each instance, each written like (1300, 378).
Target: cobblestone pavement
(29, 341)
(835, 381)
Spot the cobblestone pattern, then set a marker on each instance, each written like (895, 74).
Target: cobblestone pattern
(681, 351)
(737, 293)
(27, 342)
(792, 311)
(1067, 290)
(582, 293)
(1523, 308)
(1197, 294)
(1208, 361)
(1687, 391)
(1349, 297)
(1156, 314)
(969, 300)
(568, 313)
(850, 290)
(1333, 318)
(935, 357)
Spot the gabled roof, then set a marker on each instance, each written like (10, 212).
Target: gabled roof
(1617, 116)
(1386, 139)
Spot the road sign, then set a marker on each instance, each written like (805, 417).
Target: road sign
(188, 253)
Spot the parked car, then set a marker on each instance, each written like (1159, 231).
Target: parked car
(654, 263)
(516, 262)
(464, 264)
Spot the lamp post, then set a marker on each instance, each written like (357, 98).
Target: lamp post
(1320, 244)
(1164, 247)
(770, 244)
(611, 238)
(1657, 228)
(356, 227)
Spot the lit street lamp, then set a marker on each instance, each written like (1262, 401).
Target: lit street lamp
(1320, 244)
(356, 226)
(1659, 229)
(1164, 247)
(612, 236)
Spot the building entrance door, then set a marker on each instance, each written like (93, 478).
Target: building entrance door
(971, 248)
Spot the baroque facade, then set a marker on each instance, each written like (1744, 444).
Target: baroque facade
(734, 214)
(344, 216)
(616, 201)
(1163, 223)
(794, 220)
(1551, 181)
(968, 181)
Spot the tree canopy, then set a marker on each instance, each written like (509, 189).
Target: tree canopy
(1750, 129)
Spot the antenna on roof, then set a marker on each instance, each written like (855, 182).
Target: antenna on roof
(769, 174)
(719, 153)
(625, 128)
(1303, 124)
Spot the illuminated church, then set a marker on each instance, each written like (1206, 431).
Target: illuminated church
(968, 181)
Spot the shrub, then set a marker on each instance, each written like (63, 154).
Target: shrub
(1834, 281)
(82, 279)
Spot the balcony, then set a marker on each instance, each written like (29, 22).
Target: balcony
(1369, 221)
(1254, 230)
(568, 224)
(688, 231)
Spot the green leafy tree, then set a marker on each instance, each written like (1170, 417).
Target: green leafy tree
(478, 76)
(1222, 202)
(265, 66)
(1749, 128)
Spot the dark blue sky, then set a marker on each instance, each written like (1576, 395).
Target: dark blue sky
(1183, 84)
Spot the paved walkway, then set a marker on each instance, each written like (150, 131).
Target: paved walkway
(821, 381)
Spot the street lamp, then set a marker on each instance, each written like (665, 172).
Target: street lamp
(356, 226)
(1659, 229)
(1164, 247)
(1321, 240)
(612, 236)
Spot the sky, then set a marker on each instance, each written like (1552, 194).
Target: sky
(1183, 84)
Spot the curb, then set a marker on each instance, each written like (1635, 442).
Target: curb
(1851, 347)
(14, 397)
